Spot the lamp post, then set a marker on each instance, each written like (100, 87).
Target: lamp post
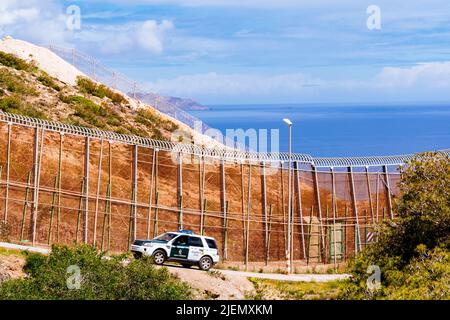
(289, 244)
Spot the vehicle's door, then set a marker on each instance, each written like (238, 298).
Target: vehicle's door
(180, 248)
(196, 249)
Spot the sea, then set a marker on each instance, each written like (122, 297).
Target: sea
(338, 130)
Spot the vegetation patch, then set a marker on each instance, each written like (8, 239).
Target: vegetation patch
(11, 61)
(48, 81)
(412, 252)
(13, 104)
(294, 290)
(92, 113)
(82, 273)
(99, 90)
(14, 84)
(152, 121)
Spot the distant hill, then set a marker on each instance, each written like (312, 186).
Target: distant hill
(168, 102)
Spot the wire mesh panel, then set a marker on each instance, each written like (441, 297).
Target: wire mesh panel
(55, 181)
(236, 217)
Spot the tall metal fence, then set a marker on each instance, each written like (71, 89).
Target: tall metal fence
(65, 184)
(116, 80)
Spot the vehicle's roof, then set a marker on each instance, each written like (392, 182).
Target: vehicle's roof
(181, 233)
(188, 234)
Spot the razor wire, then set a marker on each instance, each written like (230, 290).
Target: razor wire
(118, 81)
(214, 153)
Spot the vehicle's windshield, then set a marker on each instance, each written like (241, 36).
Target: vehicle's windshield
(166, 237)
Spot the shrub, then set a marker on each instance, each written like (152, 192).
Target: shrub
(15, 84)
(12, 61)
(99, 90)
(412, 251)
(48, 81)
(101, 278)
(99, 116)
(14, 104)
(154, 122)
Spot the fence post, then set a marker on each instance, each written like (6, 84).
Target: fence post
(333, 228)
(8, 164)
(224, 207)
(180, 191)
(201, 181)
(249, 205)
(268, 235)
(300, 209)
(86, 189)
(388, 187)
(283, 208)
(58, 209)
(377, 209)
(150, 201)
(369, 189)
(155, 221)
(105, 215)
(156, 194)
(264, 207)
(316, 185)
(99, 176)
(37, 171)
(80, 206)
(73, 57)
(135, 190)
(25, 205)
(355, 206)
(52, 211)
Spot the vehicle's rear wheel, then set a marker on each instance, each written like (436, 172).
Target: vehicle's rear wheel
(205, 263)
(186, 265)
(159, 257)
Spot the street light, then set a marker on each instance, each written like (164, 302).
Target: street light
(289, 244)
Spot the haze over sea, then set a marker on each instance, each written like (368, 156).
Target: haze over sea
(342, 130)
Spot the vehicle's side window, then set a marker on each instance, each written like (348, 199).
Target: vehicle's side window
(211, 243)
(195, 242)
(181, 241)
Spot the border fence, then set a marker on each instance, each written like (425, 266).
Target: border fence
(63, 184)
(116, 80)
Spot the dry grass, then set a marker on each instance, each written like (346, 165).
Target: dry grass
(291, 290)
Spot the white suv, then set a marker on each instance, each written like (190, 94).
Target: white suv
(183, 247)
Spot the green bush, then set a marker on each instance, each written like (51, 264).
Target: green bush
(11, 61)
(412, 251)
(99, 90)
(154, 123)
(14, 104)
(92, 113)
(101, 278)
(15, 84)
(48, 81)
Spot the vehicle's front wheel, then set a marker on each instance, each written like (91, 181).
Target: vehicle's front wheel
(159, 257)
(205, 263)
(137, 255)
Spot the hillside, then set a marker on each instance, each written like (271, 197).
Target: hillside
(37, 83)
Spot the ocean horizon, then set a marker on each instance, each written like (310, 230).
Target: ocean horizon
(338, 130)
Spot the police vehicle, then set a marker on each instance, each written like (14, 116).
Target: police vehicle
(183, 247)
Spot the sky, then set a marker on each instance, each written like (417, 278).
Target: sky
(256, 51)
